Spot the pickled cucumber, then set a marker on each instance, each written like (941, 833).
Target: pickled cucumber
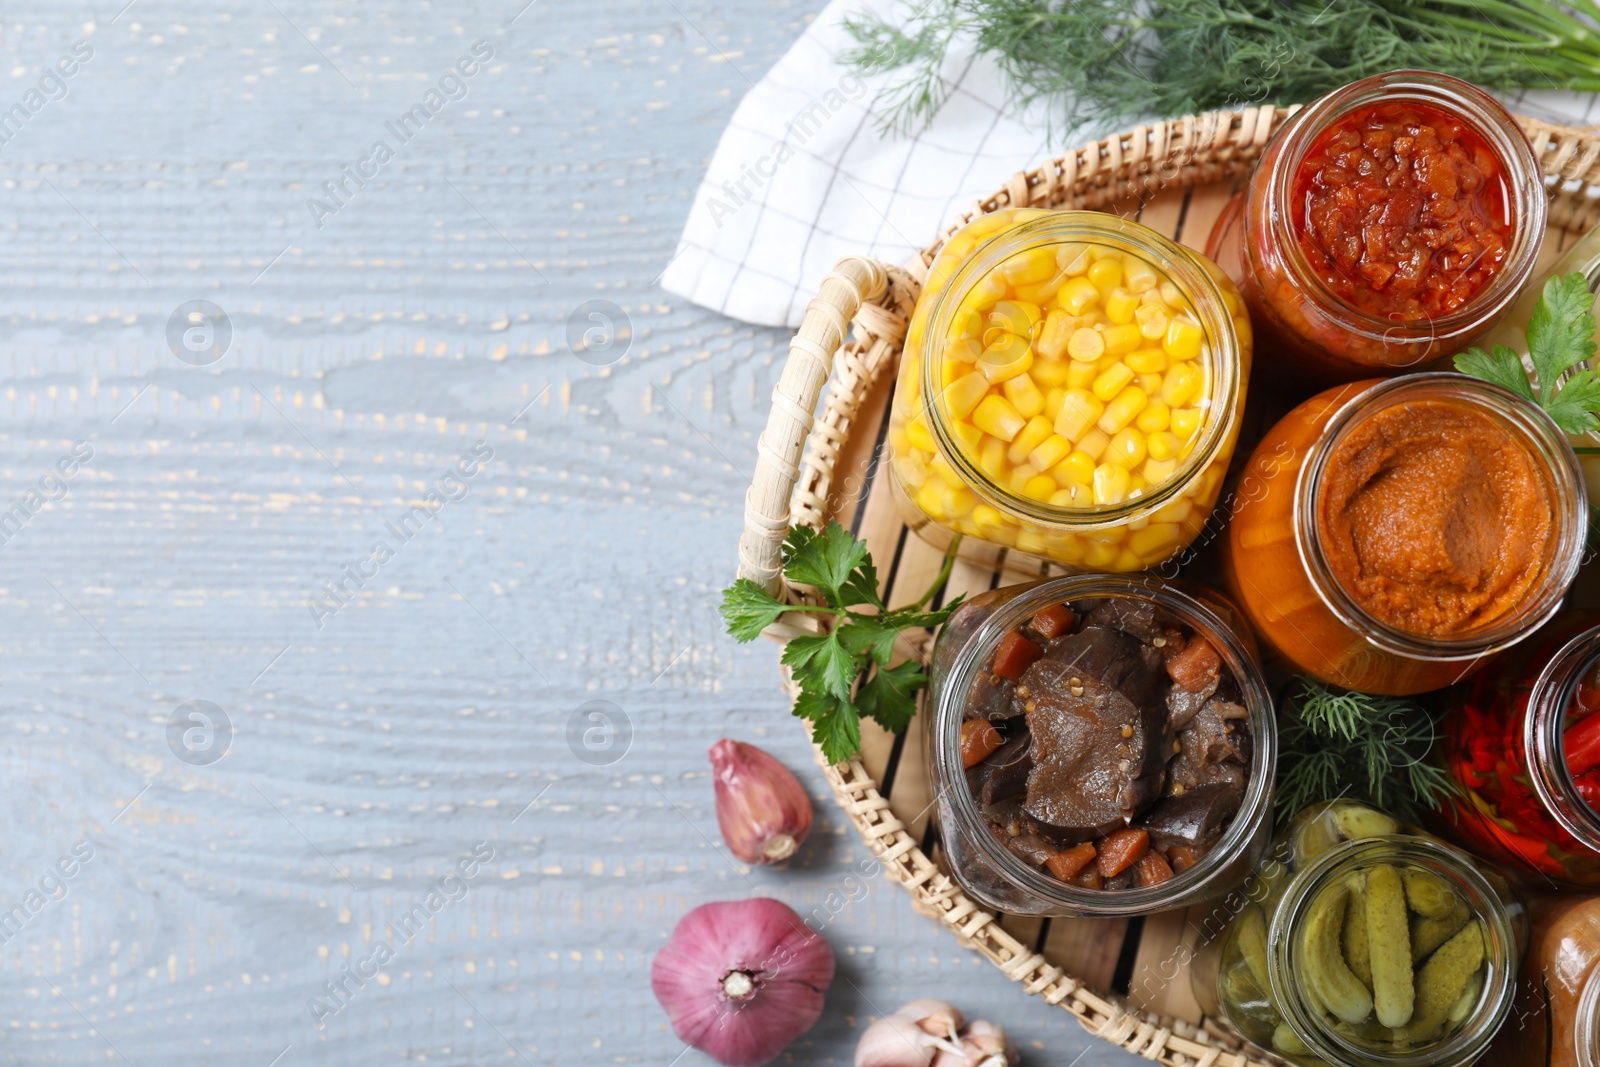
(1389, 946)
(1355, 932)
(1327, 977)
(1429, 895)
(1356, 820)
(1288, 1042)
(1253, 944)
(1442, 981)
(1428, 934)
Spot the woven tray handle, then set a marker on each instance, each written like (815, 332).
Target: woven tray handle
(855, 281)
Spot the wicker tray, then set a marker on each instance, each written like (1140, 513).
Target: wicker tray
(1119, 977)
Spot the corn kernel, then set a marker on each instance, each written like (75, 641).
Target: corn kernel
(940, 466)
(1113, 381)
(1153, 320)
(1086, 345)
(1079, 410)
(969, 435)
(1093, 444)
(987, 518)
(1157, 471)
(1049, 452)
(1106, 274)
(1073, 258)
(1146, 361)
(1183, 339)
(1013, 316)
(963, 394)
(1150, 383)
(1040, 487)
(950, 370)
(1076, 469)
(1024, 395)
(1173, 295)
(966, 325)
(995, 415)
(1037, 429)
(930, 498)
(1122, 409)
(920, 436)
(1182, 385)
(1164, 445)
(1005, 360)
(1052, 339)
(1032, 541)
(1155, 541)
(1176, 511)
(1053, 399)
(1111, 484)
(1078, 295)
(1125, 562)
(1152, 296)
(1017, 480)
(1138, 275)
(992, 458)
(1100, 556)
(1122, 340)
(1081, 375)
(1073, 496)
(1040, 293)
(1048, 372)
(1126, 449)
(1185, 421)
(1034, 265)
(962, 350)
(1121, 306)
(1154, 417)
(910, 470)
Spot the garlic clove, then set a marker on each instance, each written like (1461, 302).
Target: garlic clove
(896, 1041)
(762, 809)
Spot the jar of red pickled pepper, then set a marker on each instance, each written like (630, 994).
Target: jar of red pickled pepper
(1522, 740)
(1389, 223)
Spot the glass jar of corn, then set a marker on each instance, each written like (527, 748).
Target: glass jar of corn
(1071, 388)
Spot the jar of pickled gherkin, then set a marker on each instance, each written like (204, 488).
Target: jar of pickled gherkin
(1071, 389)
(1362, 941)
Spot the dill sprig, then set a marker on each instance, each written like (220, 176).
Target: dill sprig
(1105, 60)
(1335, 743)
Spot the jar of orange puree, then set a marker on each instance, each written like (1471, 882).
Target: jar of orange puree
(1390, 535)
(1555, 1021)
(1071, 389)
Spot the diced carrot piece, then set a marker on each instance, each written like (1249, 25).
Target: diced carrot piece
(1121, 849)
(1054, 621)
(1182, 857)
(1153, 870)
(1196, 666)
(978, 740)
(1066, 865)
(1015, 655)
(1090, 878)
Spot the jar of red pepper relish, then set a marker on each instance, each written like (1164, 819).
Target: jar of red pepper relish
(1388, 223)
(1522, 740)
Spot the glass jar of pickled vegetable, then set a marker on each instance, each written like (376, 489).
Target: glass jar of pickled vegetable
(1388, 223)
(1388, 536)
(1556, 1019)
(1523, 742)
(1071, 389)
(1363, 942)
(1582, 258)
(1099, 745)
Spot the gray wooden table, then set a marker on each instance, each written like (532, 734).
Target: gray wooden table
(317, 543)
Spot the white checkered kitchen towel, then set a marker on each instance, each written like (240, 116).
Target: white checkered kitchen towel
(803, 176)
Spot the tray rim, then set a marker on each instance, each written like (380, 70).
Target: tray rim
(797, 452)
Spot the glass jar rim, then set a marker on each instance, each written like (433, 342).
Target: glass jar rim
(1542, 438)
(1543, 728)
(1196, 882)
(1197, 286)
(1526, 196)
(1499, 986)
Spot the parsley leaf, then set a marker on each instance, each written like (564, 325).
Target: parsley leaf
(1560, 336)
(1560, 330)
(890, 695)
(1504, 368)
(826, 666)
(748, 609)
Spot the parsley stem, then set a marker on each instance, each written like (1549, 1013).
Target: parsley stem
(944, 573)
